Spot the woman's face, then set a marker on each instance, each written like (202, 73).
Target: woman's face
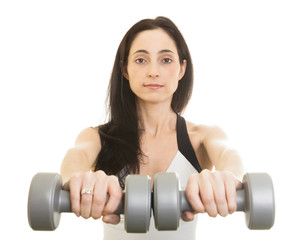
(153, 68)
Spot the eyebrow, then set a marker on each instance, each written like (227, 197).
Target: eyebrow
(161, 51)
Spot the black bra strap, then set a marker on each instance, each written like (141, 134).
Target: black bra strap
(184, 143)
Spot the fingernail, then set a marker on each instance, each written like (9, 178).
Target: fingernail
(77, 214)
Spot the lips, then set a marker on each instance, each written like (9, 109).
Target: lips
(153, 86)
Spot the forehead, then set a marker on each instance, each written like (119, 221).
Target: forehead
(153, 41)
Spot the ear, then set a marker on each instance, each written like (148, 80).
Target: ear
(124, 70)
(125, 73)
(182, 69)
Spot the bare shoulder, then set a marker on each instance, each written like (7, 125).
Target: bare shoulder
(88, 136)
(202, 132)
(202, 137)
(89, 141)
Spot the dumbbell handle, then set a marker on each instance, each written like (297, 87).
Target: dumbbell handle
(240, 200)
(65, 203)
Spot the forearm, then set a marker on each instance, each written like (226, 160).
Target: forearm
(74, 161)
(230, 160)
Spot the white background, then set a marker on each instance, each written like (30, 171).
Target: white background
(55, 62)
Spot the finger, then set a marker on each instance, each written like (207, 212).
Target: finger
(86, 199)
(193, 194)
(219, 194)
(111, 219)
(187, 216)
(99, 199)
(207, 198)
(75, 187)
(231, 185)
(115, 195)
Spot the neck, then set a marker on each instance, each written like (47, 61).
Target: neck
(156, 118)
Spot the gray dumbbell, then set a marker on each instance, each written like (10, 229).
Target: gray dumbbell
(47, 200)
(256, 199)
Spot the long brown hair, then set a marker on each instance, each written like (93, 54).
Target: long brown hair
(120, 137)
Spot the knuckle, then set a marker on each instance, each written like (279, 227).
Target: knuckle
(195, 202)
(205, 173)
(231, 197)
(220, 201)
(193, 176)
(75, 199)
(86, 174)
(191, 197)
(113, 179)
(217, 174)
(208, 199)
(86, 200)
(77, 175)
(100, 174)
(189, 193)
(217, 177)
(98, 201)
(75, 179)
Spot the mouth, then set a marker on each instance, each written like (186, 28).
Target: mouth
(153, 86)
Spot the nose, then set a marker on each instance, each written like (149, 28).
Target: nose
(153, 71)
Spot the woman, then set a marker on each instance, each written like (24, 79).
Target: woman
(150, 86)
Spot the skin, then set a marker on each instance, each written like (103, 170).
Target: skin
(153, 72)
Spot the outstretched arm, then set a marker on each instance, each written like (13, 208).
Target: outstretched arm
(221, 154)
(78, 177)
(214, 192)
(82, 156)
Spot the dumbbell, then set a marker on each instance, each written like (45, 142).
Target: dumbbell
(47, 200)
(256, 199)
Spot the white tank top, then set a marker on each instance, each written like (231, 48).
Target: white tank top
(186, 230)
(184, 164)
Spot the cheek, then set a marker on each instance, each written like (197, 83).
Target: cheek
(174, 86)
(174, 71)
(173, 76)
(133, 73)
(134, 80)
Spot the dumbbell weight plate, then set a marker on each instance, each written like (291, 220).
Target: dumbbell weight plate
(43, 202)
(137, 203)
(166, 201)
(260, 201)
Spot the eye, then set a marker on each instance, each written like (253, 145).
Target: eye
(167, 60)
(140, 60)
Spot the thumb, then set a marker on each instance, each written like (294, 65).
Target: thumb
(187, 216)
(111, 219)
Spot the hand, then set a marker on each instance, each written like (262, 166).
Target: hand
(93, 205)
(212, 192)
